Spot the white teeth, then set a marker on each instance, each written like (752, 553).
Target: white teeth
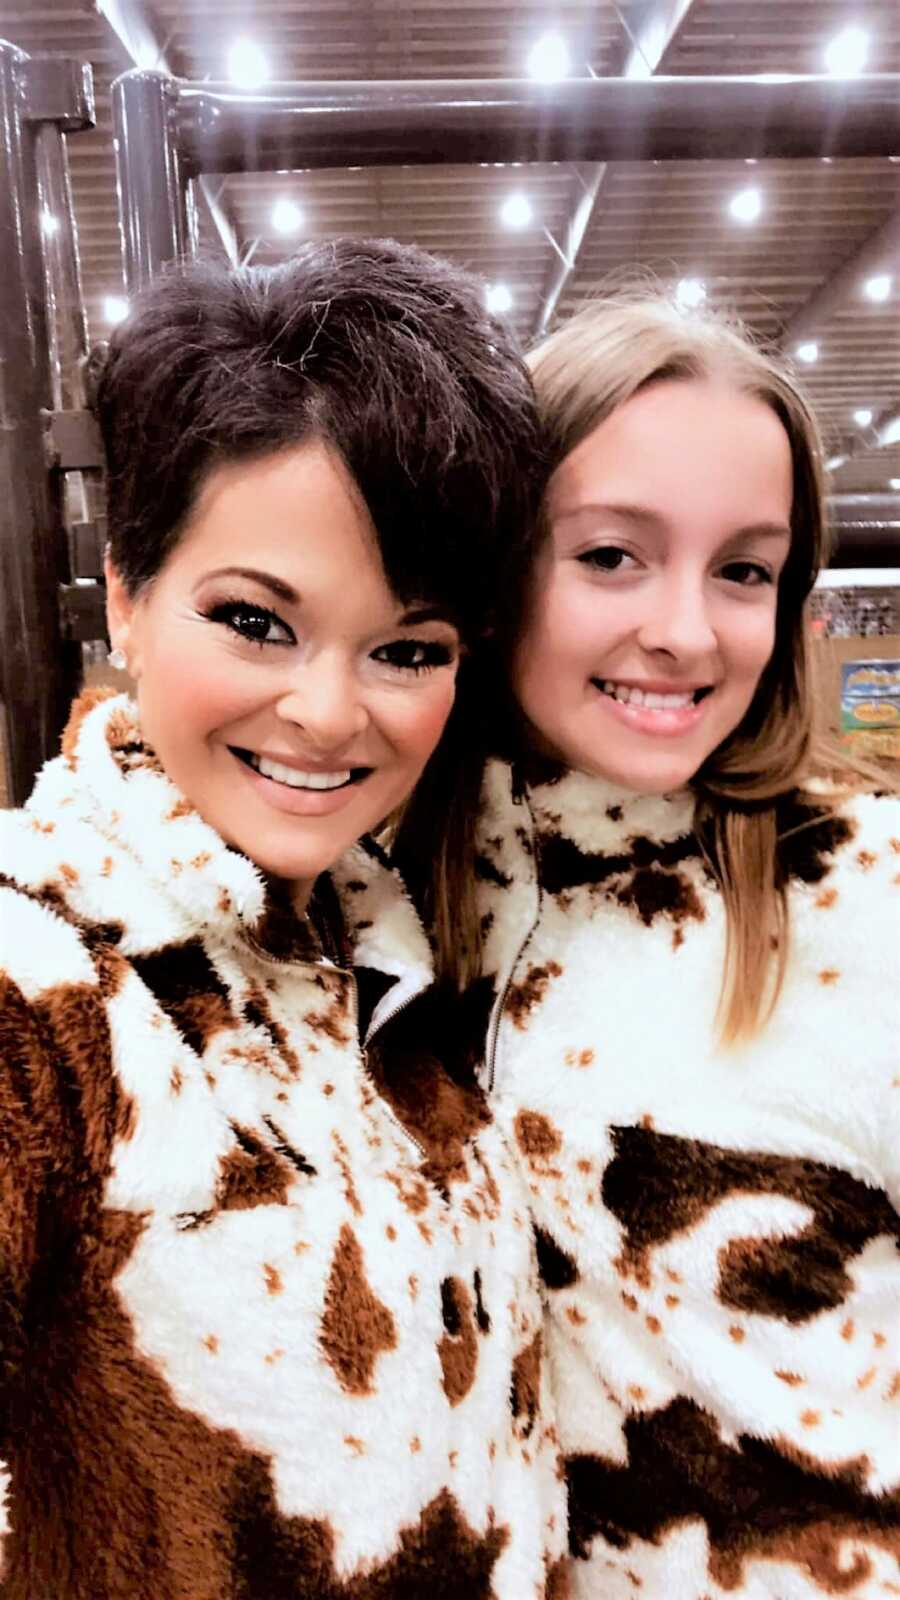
(299, 780)
(641, 697)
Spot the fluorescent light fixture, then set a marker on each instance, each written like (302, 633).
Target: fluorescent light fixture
(862, 417)
(845, 54)
(516, 211)
(247, 64)
(548, 59)
(834, 462)
(746, 205)
(690, 293)
(286, 216)
(115, 308)
(808, 352)
(49, 223)
(890, 434)
(498, 298)
(879, 286)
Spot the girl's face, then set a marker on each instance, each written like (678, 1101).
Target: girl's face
(652, 612)
(286, 691)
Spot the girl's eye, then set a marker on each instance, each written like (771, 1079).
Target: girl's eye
(606, 558)
(749, 574)
(414, 655)
(254, 623)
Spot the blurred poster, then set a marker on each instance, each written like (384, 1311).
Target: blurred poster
(870, 706)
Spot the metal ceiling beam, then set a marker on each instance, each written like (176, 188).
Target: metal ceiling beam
(319, 124)
(879, 252)
(883, 430)
(140, 36)
(646, 38)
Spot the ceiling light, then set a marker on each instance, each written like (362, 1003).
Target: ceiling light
(516, 211)
(286, 216)
(498, 298)
(834, 462)
(49, 223)
(115, 308)
(548, 59)
(845, 55)
(746, 205)
(690, 293)
(879, 286)
(890, 434)
(808, 352)
(894, 483)
(862, 417)
(247, 65)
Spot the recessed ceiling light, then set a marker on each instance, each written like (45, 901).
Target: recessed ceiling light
(845, 54)
(834, 462)
(746, 205)
(247, 64)
(115, 308)
(894, 483)
(862, 417)
(49, 223)
(548, 59)
(690, 293)
(808, 352)
(286, 216)
(890, 434)
(516, 211)
(879, 286)
(498, 298)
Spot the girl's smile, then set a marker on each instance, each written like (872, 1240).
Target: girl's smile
(653, 602)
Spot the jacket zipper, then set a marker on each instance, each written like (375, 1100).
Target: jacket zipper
(500, 1003)
(364, 1056)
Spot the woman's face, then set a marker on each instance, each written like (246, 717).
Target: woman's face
(652, 612)
(286, 691)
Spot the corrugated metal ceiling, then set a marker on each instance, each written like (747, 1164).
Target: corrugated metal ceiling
(671, 219)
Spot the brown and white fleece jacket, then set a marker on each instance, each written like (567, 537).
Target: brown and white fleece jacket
(718, 1229)
(268, 1301)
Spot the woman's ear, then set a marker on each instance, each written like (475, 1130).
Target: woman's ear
(120, 617)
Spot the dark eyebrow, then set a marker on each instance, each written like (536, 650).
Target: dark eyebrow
(417, 614)
(646, 517)
(267, 580)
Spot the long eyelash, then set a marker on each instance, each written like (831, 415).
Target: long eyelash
(218, 613)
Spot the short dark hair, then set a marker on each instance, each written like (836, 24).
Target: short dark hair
(379, 349)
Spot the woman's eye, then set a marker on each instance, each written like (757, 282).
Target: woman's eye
(254, 623)
(414, 655)
(606, 558)
(749, 574)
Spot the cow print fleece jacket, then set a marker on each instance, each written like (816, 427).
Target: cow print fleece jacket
(269, 1312)
(717, 1229)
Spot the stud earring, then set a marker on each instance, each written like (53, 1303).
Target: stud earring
(117, 659)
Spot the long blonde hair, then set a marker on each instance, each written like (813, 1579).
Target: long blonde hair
(582, 373)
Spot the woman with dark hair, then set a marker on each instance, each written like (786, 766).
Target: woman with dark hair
(269, 1320)
(688, 984)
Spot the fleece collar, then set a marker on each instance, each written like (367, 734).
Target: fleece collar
(109, 781)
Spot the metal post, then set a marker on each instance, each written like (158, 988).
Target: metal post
(39, 673)
(154, 211)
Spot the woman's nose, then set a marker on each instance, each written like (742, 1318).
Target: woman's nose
(325, 700)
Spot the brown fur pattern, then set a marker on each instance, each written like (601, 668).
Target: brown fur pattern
(264, 1300)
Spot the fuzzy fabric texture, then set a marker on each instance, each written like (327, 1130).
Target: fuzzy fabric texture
(268, 1307)
(717, 1229)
